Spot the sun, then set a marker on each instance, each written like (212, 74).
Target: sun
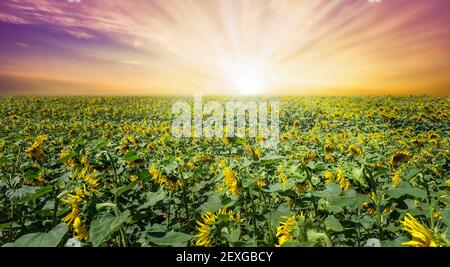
(249, 79)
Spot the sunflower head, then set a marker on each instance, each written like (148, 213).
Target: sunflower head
(421, 235)
(395, 178)
(211, 224)
(355, 151)
(285, 230)
(340, 178)
(328, 177)
(231, 181)
(328, 147)
(36, 150)
(398, 157)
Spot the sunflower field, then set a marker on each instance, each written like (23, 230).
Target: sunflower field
(106, 171)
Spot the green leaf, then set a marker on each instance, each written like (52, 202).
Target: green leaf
(172, 239)
(213, 204)
(5, 225)
(273, 188)
(119, 191)
(144, 175)
(235, 235)
(245, 164)
(275, 217)
(50, 239)
(32, 174)
(100, 144)
(42, 191)
(404, 188)
(294, 243)
(332, 190)
(357, 176)
(412, 173)
(334, 224)
(66, 158)
(348, 201)
(102, 228)
(170, 167)
(248, 181)
(445, 199)
(3, 160)
(271, 158)
(153, 198)
(131, 156)
(446, 216)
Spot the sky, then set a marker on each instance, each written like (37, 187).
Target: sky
(215, 47)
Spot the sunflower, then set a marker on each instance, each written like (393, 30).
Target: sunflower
(206, 226)
(64, 154)
(395, 178)
(261, 183)
(433, 135)
(436, 171)
(421, 235)
(230, 181)
(134, 178)
(378, 165)
(225, 139)
(80, 231)
(417, 142)
(330, 158)
(204, 229)
(36, 150)
(328, 177)
(81, 192)
(328, 147)
(281, 175)
(89, 177)
(72, 219)
(447, 182)
(249, 151)
(355, 151)
(398, 157)
(171, 182)
(301, 187)
(308, 156)
(427, 153)
(370, 207)
(39, 180)
(258, 153)
(85, 161)
(73, 201)
(190, 165)
(340, 178)
(433, 142)
(285, 230)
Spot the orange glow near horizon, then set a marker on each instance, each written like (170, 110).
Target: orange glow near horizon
(303, 47)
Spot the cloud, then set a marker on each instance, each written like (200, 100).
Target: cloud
(80, 34)
(12, 19)
(301, 43)
(24, 45)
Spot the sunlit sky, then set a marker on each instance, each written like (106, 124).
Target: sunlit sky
(288, 47)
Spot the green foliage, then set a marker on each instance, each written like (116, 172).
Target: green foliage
(110, 168)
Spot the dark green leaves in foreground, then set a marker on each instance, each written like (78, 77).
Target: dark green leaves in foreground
(102, 228)
(333, 224)
(174, 239)
(50, 239)
(42, 191)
